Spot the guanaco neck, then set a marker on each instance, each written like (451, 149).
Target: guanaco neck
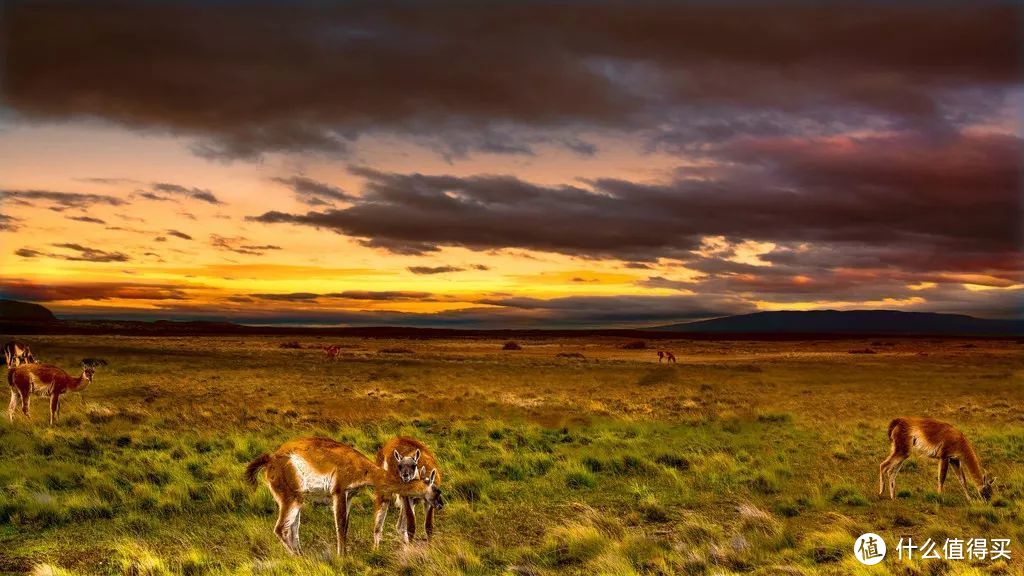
(77, 384)
(970, 461)
(387, 486)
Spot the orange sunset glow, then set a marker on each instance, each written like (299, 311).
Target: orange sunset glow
(340, 169)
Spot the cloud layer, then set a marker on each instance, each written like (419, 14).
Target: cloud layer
(488, 77)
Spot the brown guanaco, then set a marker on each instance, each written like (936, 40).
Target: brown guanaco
(43, 380)
(938, 440)
(17, 353)
(308, 466)
(403, 457)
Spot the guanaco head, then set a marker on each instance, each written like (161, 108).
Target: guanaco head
(986, 487)
(87, 373)
(406, 465)
(433, 496)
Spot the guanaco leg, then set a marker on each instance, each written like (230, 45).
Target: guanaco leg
(287, 527)
(959, 471)
(54, 407)
(340, 505)
(943, 469)
(429, 520)
(378, 521)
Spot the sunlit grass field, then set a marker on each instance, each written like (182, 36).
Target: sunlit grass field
(745, 457)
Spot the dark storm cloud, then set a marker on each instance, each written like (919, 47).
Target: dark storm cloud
(479, 75)
(194, 193)
(312, 192)
(894, 195)
(60, 200)
(154, 197)
(384, 296)
(9, 223)
(433, 269)
(88, 219)
(572, 312)
(21, 290)
(235, 244)
(75, 253)
(178, 234)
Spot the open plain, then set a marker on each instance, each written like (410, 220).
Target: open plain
(752, 457)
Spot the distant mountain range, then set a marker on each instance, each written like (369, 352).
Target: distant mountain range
(852, 322)
(28, 318)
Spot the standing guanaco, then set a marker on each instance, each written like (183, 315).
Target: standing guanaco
(402, 457)
(938, 440)
(307, 466)
(17, 353)
(43, 380)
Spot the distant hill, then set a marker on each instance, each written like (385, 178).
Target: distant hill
(853, 322)
(12, 310)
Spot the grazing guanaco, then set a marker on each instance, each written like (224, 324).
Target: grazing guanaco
(403, 457)
(667, 356)
(332, 351)
(17, 353)
(311, 466)
(938, 440)
(43, 380)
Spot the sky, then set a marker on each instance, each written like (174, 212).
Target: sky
(510, 165)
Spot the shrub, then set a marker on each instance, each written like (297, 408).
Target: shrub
(673, 461)
(580, 479)
(576, 355)
(635, 345)
(395, 351)
(290, 345)
(510, 345)
(863, 351)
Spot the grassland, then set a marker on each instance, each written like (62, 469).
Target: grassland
(746, 457)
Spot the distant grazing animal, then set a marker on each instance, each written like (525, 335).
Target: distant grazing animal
(404, 459)
(43, 380)
(310, 466)
(17, 353)
(93, 362)
(937, 440)
(332, 351)
(667, 356)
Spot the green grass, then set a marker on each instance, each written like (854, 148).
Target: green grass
(744, 458)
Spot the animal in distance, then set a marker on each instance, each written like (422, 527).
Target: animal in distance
(43, 380)
(17, 353)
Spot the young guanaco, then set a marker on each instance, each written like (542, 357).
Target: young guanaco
(43, 380)
(402, 457)
(937, 440)
(310, 466)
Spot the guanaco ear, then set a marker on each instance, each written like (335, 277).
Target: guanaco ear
(416, 456)
(433, 477)
(421, 472)
(397, 456)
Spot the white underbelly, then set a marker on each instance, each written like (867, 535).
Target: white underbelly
(311, 481)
